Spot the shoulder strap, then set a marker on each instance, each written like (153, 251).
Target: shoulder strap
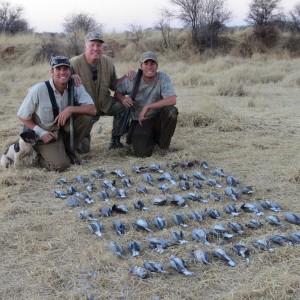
(52, 99)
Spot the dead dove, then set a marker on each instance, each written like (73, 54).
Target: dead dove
(197, 184)
(197, 216)
(85, 196)
(126, 182)
(141, 189)
(236, 227)
(121, 193)
(109, 184)
(199, 175)
(212, 182)
(292, 218)
(134, 248)
(119, 227)
(200, 235)
(72, 189)
(195, 197)
(62, 181)
(178, 200)
(116, 249)
(90, 186)
(86, 215)
(103, 195)
(200, 256)
(266, 204)
(139, 205)
(105, 211)
(179, 265)
(142, 224)
(242, 250)
(139, 271)
(96, 227)
(179, 219)
(97, 173)
(262, 245)
(230, 180)
(155, 267)
(221, 254)
(204, 165)
(184, 176)
(254, 224)
(279, 240)
(81, 179)
(159, 201)
(73, 202)
(156, 168)
(214, 214)
(60, 194)
(218, 172)
(220, 231)
(148, 178)
(294, 237)
(120, 208)
(184, 185)
(231, 210)
(248, 190)
(178, 237)
(274, 220)
(159, 222)
(214, 196)
(159, 244)
(168, 176)
(231, 193)
(118, 172)
(252, 208)
(164, 187)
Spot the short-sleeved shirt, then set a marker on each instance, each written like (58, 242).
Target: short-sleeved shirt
(156, 90)
(37, 101)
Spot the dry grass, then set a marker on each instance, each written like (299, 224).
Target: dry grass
(48, 253)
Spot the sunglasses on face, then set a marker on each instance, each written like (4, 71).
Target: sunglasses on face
(94, 73)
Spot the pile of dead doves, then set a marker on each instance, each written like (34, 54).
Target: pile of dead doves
(183, 185)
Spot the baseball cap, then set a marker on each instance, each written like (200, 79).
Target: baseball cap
(94, 36)
(57, 61)
(148, 55)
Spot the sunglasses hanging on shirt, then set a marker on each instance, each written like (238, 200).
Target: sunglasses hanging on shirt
(94, 73)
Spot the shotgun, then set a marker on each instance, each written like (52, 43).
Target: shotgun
(126, 118)
(71, 103)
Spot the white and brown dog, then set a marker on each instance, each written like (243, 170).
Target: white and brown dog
(21, 148)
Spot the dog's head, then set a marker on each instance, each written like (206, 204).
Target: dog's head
(29, 137)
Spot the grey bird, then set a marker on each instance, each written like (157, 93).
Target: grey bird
(254, 224)
(213, 182)
(156, 168)
(96, 227)
(164, 187)
(248, 190)
(199, 175)
(159, 244)
(105, 211)
(220, 231)
(60, 194)
(204, 165)
(236, 227)
(231, 210)
(197, 184)
(73, 202)
(178, 200)
(148, 178)
(139, 205)
(137, 169)
(178, 237)
(184, 185)
(242, 250)
(200, 235)
(184, 176)
(118, 172)
(168, 176)
(279, 239)
(187, 163)
(178, 219)
(141, 189)
(103, 195)
(126, 182)
(120, 208)
(214, 213)
(262, 245)
(86, 197)
(159, 201)
(119, 227)
(200, 256)
(218, 172)
(179, 265)
(214, 196)
(62, 181)
(159, 222)
(172, 164)
(252, 208)
(274, 220)
(292, 218)
(134, 248)
(90, 186)
(121, 193)
(142, 224)
(109, 184)
(81, 179)
(72, 189)
(230, 180)
(197, 216)
(97, 173)
(221, 254)
(139, 271)
(116, 249)
(195, 197)
(266, 204)
(294, 237)
(86, 215)
(231, 193)
(155, 267)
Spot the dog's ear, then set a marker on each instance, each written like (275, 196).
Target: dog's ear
(29, 136)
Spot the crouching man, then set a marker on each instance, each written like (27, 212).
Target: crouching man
(153, 111)
(47, 110)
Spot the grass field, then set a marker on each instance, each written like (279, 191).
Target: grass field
(241, 115)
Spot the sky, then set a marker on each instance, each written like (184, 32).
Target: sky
(116, 15)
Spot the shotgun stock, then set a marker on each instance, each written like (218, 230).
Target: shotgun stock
(126, 118)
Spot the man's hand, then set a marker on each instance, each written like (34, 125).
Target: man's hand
(62, 118)
(77, 79)
(48, 137)
(142, 115)
(127, 102)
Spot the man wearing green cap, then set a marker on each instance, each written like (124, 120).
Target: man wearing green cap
(153, 112)
(98, 75)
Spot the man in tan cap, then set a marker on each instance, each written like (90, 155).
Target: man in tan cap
(98, 76)
(153, 112)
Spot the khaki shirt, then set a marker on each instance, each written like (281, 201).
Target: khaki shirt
(156, 90)
(37, 102)
(100, 89)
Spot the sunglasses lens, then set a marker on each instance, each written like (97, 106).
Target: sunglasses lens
(94, 73)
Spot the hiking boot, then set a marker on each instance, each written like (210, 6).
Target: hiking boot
(165, 151)
(84, 146)
(75, 160)
(115, 143)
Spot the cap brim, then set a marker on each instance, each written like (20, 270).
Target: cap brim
(58, 65)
